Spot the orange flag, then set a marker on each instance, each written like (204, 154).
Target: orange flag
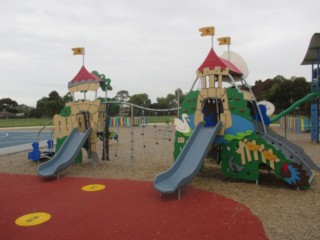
(78, 51)
(224, 41)
(207, 31)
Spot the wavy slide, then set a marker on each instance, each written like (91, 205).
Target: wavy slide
(294, 105)
(66, 155)
(190, 160)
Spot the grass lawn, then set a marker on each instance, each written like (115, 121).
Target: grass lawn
(23, 122)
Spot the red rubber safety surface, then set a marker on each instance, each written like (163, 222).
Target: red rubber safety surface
(125, 209)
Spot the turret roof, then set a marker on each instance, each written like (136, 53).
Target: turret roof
(82, 77)
(212, 61)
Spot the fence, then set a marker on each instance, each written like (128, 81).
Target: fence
(128, 121)
(297, 124)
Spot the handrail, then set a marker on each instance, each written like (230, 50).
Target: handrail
(44, 126)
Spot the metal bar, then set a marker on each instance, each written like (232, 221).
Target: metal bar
(318, 90)
(285, 126)
(132, 133)
(254, 97)
(234, 82)
(148, 109)
(194, 83)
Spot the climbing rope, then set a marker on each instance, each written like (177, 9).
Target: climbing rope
(155, 128)
(167, 131)
(143, 126)
(132, 132)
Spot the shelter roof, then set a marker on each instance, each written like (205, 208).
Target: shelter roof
(312, 53)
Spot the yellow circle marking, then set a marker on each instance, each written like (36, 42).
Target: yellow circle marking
(93, 187)
(32, 219)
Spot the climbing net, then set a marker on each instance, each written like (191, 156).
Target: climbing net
(139, 125)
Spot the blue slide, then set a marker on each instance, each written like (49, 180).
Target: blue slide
(190, 160)
(66, 155)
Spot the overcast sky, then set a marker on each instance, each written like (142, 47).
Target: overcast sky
(146, 46)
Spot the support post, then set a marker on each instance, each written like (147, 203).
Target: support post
(285, 126)
(105, 150)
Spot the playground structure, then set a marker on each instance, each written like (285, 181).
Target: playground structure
(223, 117)
(312, 58)
(82, 122)
(78, 123)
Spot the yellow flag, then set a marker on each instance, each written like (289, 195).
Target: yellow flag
(78, 51)
(224, 41)
(207, 31)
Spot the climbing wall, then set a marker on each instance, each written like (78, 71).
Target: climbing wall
(188, 106)
(73, 116)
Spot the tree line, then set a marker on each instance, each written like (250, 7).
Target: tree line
(53, 103)
(284, 92)
(280, 91)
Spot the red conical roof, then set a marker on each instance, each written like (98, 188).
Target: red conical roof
(231, 67)
(212, 61)
(84, 76)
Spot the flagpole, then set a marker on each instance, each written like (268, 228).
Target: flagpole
(84, 52)
(207, 31)
(212, 41)
(79, 51)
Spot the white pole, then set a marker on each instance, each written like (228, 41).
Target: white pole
(83, 56)
(178, 101)
(212, 41)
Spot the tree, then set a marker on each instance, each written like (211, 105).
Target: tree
(67, 98)
(34, 113)
(8, 105)
(141, 99)
(48, 106)
(22, 108)
(122, 96)
(113, 107)
(283, 92)
(162, 103)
